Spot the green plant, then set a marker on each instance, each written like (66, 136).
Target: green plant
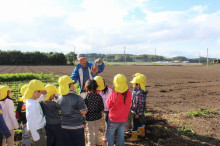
(185, 130)
(201, 112)
(148, 114)
(208, 133)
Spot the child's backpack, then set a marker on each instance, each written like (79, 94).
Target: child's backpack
(21, 112)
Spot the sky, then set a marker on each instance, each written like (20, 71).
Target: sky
(163, 27)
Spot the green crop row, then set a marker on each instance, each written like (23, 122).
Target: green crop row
(27, 76)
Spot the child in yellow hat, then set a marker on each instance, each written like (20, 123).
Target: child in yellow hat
(21, 116)
(8, 114)
(95, 107)
(34, 113)
(138, 106)
(118, 103)
(50, 108)
(104, 92)
(72, 109)
(3, 127)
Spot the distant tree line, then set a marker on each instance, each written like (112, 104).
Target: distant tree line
(54, 58)
(35, 58)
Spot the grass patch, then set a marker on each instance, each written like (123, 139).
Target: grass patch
(201, 112)
(10, 77)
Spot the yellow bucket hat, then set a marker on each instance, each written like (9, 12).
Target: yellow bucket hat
(51, 90)
(4, 92)
(137, 74)
(120, 83)
(140, 79)
(33, 86)
(22, 91)
(100, 82)
(64, 82)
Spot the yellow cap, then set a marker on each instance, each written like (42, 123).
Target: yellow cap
(120, 83)
(140, 79)
(51, 90)
(137, 74)
(33, 86)
(22, 91)
(4, 92)
(64, 82)
(100, 82)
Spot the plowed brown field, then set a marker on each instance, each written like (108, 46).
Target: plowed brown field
(173, 91)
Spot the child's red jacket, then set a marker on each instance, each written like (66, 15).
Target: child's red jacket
(118, 109)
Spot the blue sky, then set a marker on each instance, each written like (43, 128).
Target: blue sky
(174, 28)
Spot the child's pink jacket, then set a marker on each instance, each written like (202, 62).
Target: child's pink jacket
(118, 110)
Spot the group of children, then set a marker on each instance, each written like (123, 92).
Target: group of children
(52, 116)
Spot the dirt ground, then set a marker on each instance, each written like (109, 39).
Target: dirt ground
(173, 91)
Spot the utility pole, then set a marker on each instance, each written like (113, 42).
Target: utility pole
(106, 57)
(207, 57)
(124, 56)
(134, 58)
(74, 55)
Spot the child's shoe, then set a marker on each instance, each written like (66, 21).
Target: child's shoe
(141, 131)
(134, 136)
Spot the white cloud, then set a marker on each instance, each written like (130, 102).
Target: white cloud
(100, 26)
(26, 10)
(199, 9)
(218, 42)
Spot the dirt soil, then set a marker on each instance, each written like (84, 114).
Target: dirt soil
(173, 91)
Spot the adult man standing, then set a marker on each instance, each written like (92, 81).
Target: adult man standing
(86, 70)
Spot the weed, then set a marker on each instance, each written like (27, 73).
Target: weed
(165, 128)
(201, 112)
(183, 130)
(148, 114)
(208, 133)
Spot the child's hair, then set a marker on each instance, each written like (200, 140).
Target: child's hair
(91, 85)
(104, 91)
(124, 94)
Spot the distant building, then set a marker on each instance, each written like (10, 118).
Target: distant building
(216, 61)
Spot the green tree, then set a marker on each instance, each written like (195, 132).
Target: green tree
(71, 57)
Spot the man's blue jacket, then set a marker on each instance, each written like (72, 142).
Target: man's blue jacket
(77, 74)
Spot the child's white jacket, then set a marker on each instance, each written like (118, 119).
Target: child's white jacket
(9, 114)
(35, 118)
